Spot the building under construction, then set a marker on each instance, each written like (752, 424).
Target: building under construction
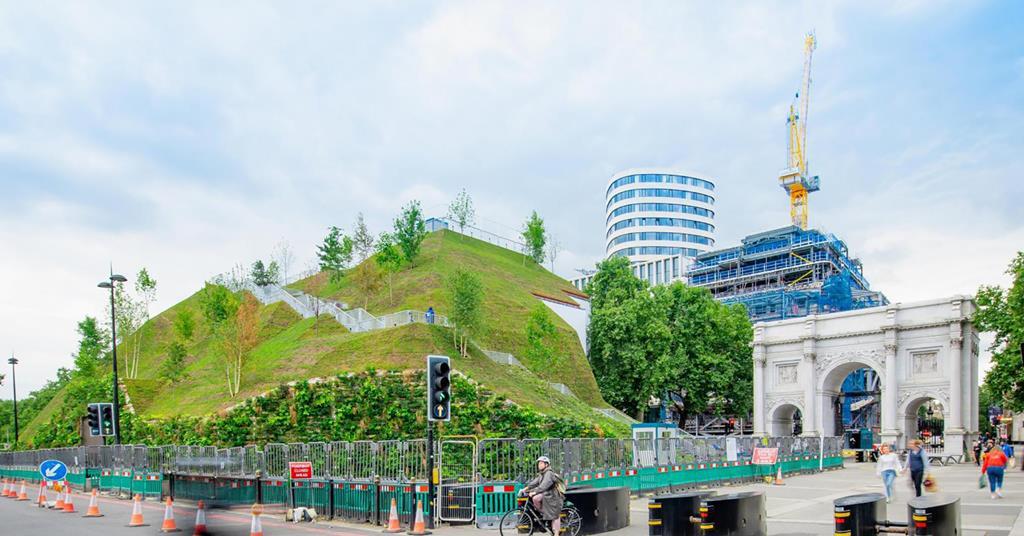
(785, 273)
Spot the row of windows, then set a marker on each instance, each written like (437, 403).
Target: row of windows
(661, 222)
(668, 179)
(660, 192)
(656, 250)
(655, 235)
(660, 207)
(658, 272)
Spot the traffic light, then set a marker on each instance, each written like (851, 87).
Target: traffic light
(107, 419)
(439, 383)
(94, 419)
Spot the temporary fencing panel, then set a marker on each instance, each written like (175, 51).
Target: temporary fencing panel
(457, 489)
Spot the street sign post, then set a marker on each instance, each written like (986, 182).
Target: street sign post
(53, 470)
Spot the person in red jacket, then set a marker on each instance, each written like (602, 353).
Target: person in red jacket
(993, 465)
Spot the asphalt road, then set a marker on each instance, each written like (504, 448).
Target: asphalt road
(24, 518)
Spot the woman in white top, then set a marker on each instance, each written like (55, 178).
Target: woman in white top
(887, 467)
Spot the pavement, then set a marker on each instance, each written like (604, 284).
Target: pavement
(803, 506)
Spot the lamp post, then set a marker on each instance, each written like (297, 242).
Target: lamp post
(111, 284)
(14, 387)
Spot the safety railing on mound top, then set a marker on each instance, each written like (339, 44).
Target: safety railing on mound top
(358, 480)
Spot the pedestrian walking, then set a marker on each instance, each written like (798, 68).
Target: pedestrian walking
(917, 464)
(1008, 451)
(977, 452)
(887, 467)
(994, 466)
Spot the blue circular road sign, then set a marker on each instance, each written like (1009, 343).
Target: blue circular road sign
(53, 470)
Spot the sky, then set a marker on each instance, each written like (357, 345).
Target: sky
(189, 137)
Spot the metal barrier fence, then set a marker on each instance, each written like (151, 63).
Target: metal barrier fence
(357, 481)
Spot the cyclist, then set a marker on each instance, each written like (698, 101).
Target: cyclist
(546, 491)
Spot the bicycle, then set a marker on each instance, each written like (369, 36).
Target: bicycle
(525, 519)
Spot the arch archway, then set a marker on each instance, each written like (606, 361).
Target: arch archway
(836, 410)
(923, 417)
(783, 420)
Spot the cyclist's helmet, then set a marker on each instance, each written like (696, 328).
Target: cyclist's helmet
(544, 459)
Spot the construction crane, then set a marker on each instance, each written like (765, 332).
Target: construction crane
(794, 178)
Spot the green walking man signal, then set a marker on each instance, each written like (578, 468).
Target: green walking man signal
(101, 419)
(439, 385)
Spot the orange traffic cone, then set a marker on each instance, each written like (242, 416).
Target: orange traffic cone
(94, 507)
(169, 525)
(136, 519)
(7, 489)
(23, 495)
(200, 529)
(778, 477)
(256, 528)
(69, 507)
(419, 528)
(41, 501)
(393, 524)
(59, 505)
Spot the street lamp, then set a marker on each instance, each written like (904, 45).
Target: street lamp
(111, 284)
(14, 387)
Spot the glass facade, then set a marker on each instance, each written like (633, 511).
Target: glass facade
(657, 177)
(656, 235)
(661, 207)
(660, 192)
(655, 250)
(660, 222)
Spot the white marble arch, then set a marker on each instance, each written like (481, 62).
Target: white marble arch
(920, 351)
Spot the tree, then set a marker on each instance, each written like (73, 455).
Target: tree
(218, 305)
(367, 278)
(285, 258)
(264, 275)
(240, 336)
(173, 367)
(184, 325)
(465, 297)
(1002, 311)
(145, 288)
(410, 230)
(645, 342)
(461, 211)
(127, 315)
(92, 346)
(362, 240)
(335, 253)
(628, 337)
(709, 354)
(540, 337)
(314, 286)
(534, 238)
(554, 248)
(389, 259)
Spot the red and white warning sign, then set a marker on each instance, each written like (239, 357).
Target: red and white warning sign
(300, 470)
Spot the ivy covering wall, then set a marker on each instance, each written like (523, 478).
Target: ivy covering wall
(371, 405)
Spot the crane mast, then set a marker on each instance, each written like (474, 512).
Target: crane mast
(794, 179)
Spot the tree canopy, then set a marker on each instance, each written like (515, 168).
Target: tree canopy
(647, 341)
(534, 237)
(410, 230)
(1002, 311)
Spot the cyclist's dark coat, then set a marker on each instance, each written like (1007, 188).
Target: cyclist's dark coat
(544, 483)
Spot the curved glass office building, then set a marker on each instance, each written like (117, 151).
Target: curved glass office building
(656, 213)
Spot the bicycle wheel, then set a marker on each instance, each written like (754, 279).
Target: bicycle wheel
(571, 522)
(515, 521)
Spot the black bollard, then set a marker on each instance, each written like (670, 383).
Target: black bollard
(934, 515)
(859, 515)
(669, 515)
(734, 514)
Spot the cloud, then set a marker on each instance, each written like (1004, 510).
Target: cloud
(189, 138)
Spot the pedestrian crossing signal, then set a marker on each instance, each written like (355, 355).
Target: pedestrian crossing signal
(439, 388)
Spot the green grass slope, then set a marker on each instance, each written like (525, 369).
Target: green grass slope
(510, 281)
(292, 348)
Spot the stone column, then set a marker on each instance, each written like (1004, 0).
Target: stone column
(890, 393)
(810, 381)
(759, 366)
(954, 432)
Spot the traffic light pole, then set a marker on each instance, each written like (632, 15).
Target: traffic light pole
(430, 474)
(113, 344)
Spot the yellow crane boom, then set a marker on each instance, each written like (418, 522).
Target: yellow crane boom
(794, 178)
